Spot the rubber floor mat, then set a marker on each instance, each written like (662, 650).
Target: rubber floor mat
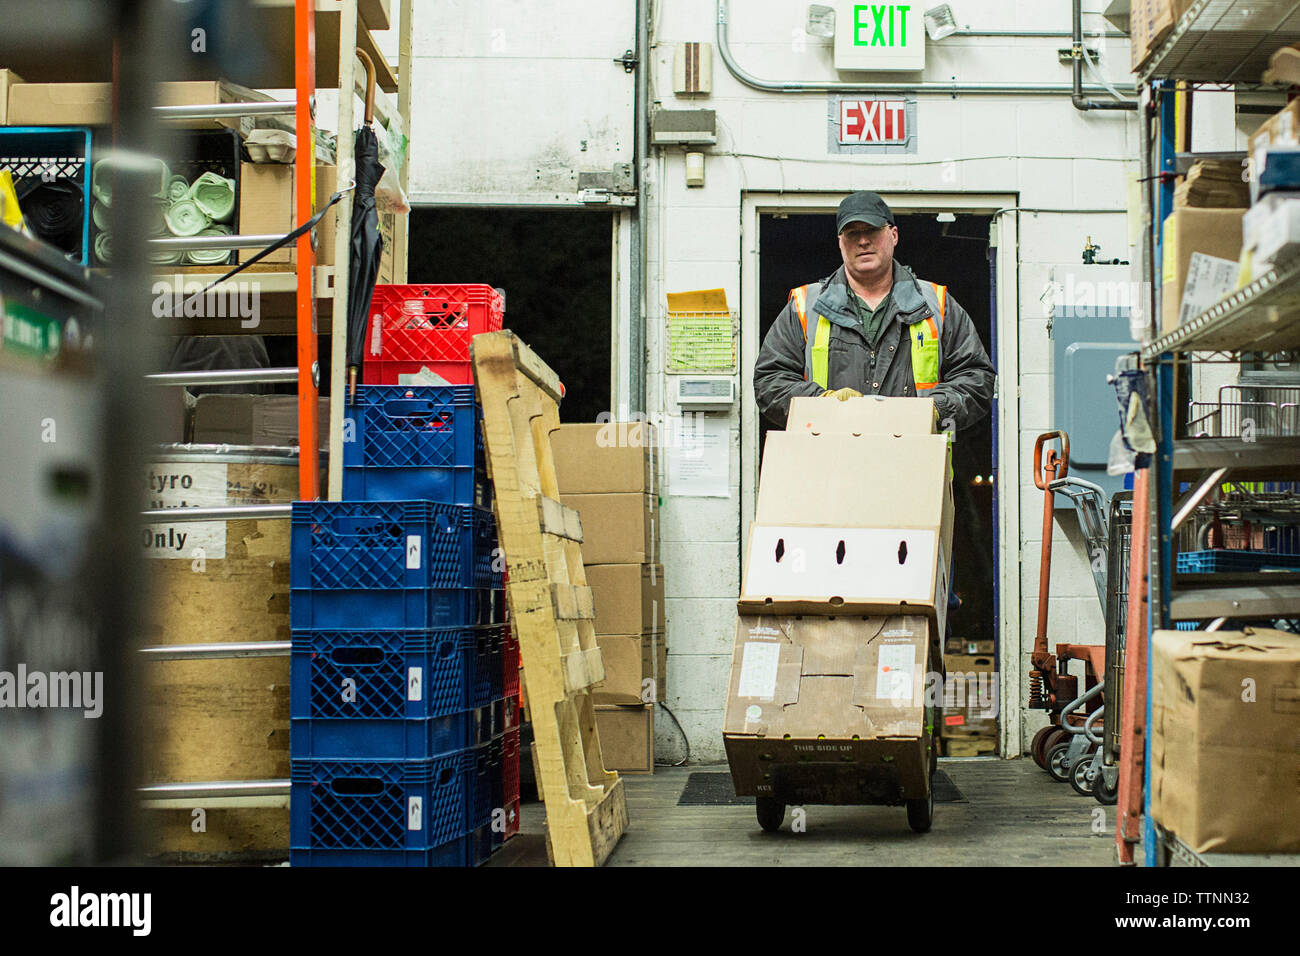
(714, 789)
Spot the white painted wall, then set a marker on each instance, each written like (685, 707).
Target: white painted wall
(1037, 148)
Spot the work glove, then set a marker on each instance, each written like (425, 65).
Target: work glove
(843, 394)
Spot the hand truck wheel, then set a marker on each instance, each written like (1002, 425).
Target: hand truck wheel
(1055, 763)
(1079, 778)
(771, 813)
(1106, 796)
(1036, 745)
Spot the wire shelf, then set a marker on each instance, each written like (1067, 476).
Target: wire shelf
(1225, 41)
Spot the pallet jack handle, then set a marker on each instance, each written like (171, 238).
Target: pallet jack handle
(1059, 464)
(1047, 470)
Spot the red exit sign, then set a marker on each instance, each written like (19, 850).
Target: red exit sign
(880, 121)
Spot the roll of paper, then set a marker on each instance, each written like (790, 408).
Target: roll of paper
(210, 257)
(104, 247)
(185, 218)
(215, 195)
(178, 187)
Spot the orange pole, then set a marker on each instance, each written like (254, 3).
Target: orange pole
(304, 59)
(1133, 709)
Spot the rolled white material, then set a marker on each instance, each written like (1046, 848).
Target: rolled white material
(186, 218)
(210, 257)
(215, 195)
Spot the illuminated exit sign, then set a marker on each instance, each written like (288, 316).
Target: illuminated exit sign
(882, 121)
(879, 36)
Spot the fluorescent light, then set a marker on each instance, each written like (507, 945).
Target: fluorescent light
(940, 22)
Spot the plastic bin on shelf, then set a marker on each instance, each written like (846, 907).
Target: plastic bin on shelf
(1220, 561)
(414, 327)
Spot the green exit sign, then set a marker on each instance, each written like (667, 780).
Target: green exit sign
(879, 36)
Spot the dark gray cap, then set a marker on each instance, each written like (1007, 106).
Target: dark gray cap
(863, 207)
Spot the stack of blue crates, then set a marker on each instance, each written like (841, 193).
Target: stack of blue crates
(397, 612)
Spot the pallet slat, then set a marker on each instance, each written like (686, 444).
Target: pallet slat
(550, 602)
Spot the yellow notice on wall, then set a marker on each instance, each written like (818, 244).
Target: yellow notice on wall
(701, 332)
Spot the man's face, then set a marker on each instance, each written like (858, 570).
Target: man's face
(868, 250)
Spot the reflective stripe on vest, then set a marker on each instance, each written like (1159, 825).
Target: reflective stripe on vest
(924, 337)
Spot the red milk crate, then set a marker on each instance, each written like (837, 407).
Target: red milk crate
(427, 326)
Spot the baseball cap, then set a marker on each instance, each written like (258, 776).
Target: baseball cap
(863, 207)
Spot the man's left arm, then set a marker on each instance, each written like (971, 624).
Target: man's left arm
(965, 390)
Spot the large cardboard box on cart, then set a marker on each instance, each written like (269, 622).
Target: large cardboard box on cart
(831, 710)
(833, 689)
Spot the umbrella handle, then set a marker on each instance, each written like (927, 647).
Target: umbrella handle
(369, 64)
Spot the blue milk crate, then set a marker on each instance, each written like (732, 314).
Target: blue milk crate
(390, 805)
(480, 845)
(415, 442)
(452, 853)
(386, 564)
(396, 673)
(1220, 561)
(484, 791)
(396, 739)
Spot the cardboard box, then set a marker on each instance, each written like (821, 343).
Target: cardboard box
(848, 523)
(1150, 22)
(970, 696)
(613, 458)
(636, 668)
(252, 420)
(266, 207)
(91, 104)
(627, 737)
(8, 78)
(960, 645)
(1225, 739)
(1271, 228)
(869, 415)
(831, 710)
(1280, 129)
(617, 529)
(1215, 232)
(629, 597)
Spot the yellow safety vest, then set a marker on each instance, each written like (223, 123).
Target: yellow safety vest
(924, 336)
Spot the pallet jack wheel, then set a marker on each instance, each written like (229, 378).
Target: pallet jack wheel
(1079, 775)
(1106, 796)
(1055, 735)
(771, 813)
(1036, 745)
(1056, 758)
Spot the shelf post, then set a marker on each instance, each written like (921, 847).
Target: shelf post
(304, 43)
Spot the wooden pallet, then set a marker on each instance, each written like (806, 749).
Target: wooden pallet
(969, 746)
(551, 608)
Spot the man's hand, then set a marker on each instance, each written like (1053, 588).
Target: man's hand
(843, 394)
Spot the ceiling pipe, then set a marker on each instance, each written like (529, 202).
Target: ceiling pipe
(1080, 101)
(799, 86)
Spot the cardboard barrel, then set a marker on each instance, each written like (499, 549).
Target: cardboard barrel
(217, 582)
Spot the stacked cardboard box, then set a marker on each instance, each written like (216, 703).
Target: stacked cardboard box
(969, 727)
(845, 594)
(607, 474)
(1225, 759)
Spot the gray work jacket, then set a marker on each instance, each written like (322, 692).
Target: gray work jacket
(965, 390)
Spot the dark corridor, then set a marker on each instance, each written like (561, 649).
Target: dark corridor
(798, 249)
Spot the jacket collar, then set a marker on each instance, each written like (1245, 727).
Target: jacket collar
(907, 302)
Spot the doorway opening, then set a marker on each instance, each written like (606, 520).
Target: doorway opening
(554, 267)
(798, 248)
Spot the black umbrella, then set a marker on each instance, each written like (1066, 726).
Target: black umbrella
(366, 245)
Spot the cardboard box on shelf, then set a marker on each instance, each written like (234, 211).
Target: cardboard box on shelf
(629, 597)
(835, 532)
(252, 420)
(1215, 232)
(830, 710)
(869, 415)
(960, 645)
(610, 458)
(1280, 129)
(1225, 724)
(266, 207)
(1271, 229)
(632, 660)
(627, 737)
(91, 104)
(1150, 22)
(617, 529)
(8, 78)
(970, 696)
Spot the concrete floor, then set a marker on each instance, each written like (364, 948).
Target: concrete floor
(1013, 815)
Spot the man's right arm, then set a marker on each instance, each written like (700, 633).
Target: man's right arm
(778, 373)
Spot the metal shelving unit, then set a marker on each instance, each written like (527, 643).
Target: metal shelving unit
(1218, 42)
